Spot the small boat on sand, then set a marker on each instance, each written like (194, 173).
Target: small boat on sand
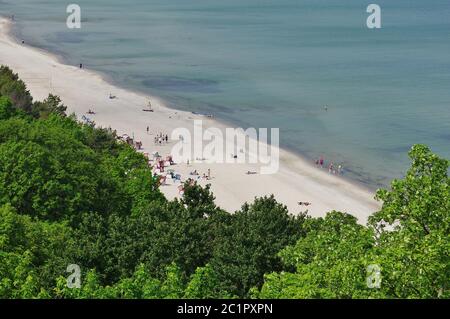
(149, 108)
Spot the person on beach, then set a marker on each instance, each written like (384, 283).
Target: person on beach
(81, 65)
(209, 174)
(321, 161)
(330, 168)
(148, 129)
(304, 203)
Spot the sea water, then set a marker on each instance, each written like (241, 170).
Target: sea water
(279, 63)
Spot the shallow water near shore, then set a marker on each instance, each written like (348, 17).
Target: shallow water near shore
(275, 64)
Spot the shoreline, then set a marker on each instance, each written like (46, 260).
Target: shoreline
(365, 185)
(350, 196)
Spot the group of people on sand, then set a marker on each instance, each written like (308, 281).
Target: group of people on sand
(206, 176)
(161, 138)
(332, 169)
(304, 204)
(162, 175)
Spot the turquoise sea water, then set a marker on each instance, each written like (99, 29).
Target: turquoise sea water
(276, 63)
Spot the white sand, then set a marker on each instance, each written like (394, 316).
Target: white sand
(81, 90)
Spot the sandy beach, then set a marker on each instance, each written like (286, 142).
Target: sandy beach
(296, 180)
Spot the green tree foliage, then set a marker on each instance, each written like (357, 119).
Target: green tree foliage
(408, 239)
(205, 284)
(48, 171)
(247, 246)
(32, 253)
(142, 285)
(194, 235)
(330, 262)
(72, 194)
(51, 105)
(6, 108)
(198, 200)
(415, 256)
(14, 88)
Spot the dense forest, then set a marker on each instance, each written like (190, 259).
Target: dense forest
(71, 193)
